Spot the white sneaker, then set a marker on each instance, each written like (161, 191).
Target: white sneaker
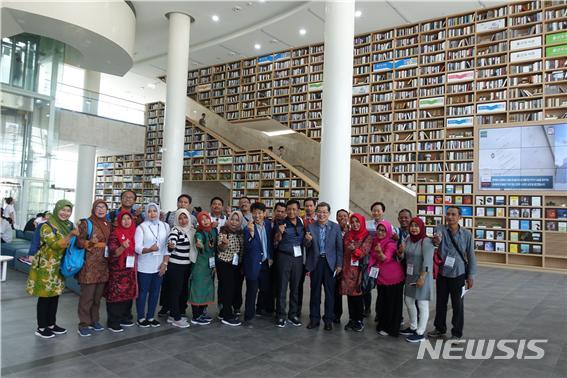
(180, 323)
(170, 319)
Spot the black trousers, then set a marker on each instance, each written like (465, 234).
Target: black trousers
(355, 307)
(118, 312)
(338, 299)
(229, 276)
(367, 301)
(300, 292)
(450, 287)
(47, 311)
(164, 294)
(198, 310)
(252, 286)
(177, 277)
(290, 270)
(322, 275)
(238, 299)
(390, 305)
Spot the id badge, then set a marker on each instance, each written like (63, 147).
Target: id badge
(296, 251)
(374, 272)
(130, 261)
(211, 262)
(106, 252)
(235, 259)
(409, 269)
(449, 261)
(354, 262)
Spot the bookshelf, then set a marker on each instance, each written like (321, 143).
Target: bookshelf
(420, 91)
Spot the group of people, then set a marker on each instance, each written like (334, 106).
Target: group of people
(173, 258)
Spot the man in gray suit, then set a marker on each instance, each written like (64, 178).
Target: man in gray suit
(324, 260)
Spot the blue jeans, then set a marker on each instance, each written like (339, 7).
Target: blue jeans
(148, 283)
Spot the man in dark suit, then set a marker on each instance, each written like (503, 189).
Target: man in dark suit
(324, 244)
(257, 261)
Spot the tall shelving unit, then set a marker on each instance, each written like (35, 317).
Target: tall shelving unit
(420, 93)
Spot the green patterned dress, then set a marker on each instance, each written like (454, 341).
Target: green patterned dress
(45, 279)
(201, 281)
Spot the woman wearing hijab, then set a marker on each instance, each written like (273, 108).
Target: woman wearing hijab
(45, 280)
(201, 281)
(228, 262)
(94, 274)
(357, 243)
(122, 287)
(151, 247)
(418, 252)
(390, 281)
(181, 246)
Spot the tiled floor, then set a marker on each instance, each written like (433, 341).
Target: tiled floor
(505, 304)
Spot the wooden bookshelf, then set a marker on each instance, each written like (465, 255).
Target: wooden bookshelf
(420, 92)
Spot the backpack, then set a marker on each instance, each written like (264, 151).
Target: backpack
(74, 257)
(36, 239)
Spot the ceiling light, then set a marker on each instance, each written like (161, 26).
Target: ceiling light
(151, 86)
(357, 13)
(215, 18)
(302, 31)
(257, 46)
(279, 132)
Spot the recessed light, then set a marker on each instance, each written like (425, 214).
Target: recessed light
(257, 46)
(302, 31)
(215, 18)
(357, 13)
(151, 86)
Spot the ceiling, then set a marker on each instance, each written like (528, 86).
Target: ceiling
(274, 25)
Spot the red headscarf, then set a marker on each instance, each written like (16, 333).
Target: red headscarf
(421, 225)
(200, 216)
(123, 233)
(356, 235)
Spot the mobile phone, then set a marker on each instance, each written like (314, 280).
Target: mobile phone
(412, 283)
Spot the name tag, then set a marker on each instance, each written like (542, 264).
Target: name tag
(106, 252)
(130, 261)
(354, 262)
(449, 261)
(235, 259)
(374, 272)
(211, 262)
(409, 269)
(156, 253)
(296, 251)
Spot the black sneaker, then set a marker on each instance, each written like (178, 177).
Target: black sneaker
(143, 323)
(295, 321)
(349, 325)
(163, 313)
(154, 323)
(358, 326)
(435, 334)
(127, 323)
(231, 322)
(407, 332)
(46, 333)
(58, 330)
(115, 329)
(280, 323)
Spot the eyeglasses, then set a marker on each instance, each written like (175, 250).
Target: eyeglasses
(100, 207)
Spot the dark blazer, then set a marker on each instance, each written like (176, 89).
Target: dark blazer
(333, 246)
(252, 260)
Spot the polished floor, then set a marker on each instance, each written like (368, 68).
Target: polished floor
(505, 304)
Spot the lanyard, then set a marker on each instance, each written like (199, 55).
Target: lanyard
(153, 233)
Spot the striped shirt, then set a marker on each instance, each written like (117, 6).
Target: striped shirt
(180, 255)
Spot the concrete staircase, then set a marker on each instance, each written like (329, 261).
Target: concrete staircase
(303, 153)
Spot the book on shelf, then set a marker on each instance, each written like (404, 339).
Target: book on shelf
(499, 200)
(514, 213)
(489, 200)
(562, 213)
(525, 213)
(551, 226)
(524, 225)
(500, 235)
(513, 248)
(536, 225)
(480, 234)
(500, 212)
(551, 213)
(490, 212)
(536, 201)
(514, 200)
(480, 212)
(536, 213)
(479, 200)
(490, 235)
(500, 247)
(479, 245)
(562, 226)
(536, 249)
(515, 224)
(489, 246)
(514, 236)
(524, 201)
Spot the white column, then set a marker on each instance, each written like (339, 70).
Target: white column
(84, 193)
(175, 103)
(334, 180)
(91, 88)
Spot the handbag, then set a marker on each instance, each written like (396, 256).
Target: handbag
(437, 262)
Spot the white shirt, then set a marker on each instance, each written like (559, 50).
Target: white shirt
(146, 235)
(6, 231)
(220, 220)
(10, 212)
